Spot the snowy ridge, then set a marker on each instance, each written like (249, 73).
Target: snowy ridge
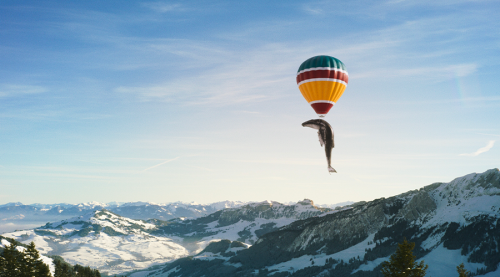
(246, 223)
(103, 240)
(467, 197)
(17, 215)
(101, 218)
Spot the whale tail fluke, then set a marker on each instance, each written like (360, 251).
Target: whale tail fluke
(331, 169)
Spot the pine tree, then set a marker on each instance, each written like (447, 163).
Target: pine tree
(3, 264)
(63, 269)
(402, 263)
(31, 255)
(462, 272)
(12, 260)
(32, 264)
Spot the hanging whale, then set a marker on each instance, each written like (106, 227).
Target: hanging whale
(325, 134)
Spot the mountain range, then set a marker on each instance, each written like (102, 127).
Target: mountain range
(16, 215)
(138, 210)
(116, 244)
(450, 223)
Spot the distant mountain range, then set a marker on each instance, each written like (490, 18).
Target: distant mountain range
(136, 210)
(450, 223)
(18, 212)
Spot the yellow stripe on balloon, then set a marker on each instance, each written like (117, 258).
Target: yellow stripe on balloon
(322, 90)
(338, 91)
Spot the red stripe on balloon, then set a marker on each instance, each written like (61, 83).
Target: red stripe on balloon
(322, 108)
(322, 73)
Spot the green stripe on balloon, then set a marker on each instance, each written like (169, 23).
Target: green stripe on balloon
(322, 61)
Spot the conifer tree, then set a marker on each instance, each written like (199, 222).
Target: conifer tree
(402, 263)
(12, 261)
(3, 263)
(32, 264)
(462, 272)
(63, 269)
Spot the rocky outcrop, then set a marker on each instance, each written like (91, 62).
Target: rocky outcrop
(420, 206)
(270, 210)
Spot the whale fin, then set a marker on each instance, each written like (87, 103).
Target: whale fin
(321, 142)
(331, 169)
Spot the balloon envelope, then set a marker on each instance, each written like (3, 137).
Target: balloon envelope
(322, 80)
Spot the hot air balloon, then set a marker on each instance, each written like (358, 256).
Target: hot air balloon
(322, 80)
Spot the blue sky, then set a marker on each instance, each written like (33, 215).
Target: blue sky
(197, 100)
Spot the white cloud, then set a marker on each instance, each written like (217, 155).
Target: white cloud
(481, 150)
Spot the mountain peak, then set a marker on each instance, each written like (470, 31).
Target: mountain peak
(306, 202)
(470, 186)
(12, 204)
(95, 223)
(92, 204)
(139, 203)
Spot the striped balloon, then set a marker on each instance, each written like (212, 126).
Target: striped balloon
(322, 80)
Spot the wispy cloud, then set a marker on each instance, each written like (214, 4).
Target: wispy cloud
(18, 90)
(479, 100)
(315, 11)
(435, 72)
(411, 3)
(167, 161)
(489, 134)
(232, 78)
(481, 150)
(223, 71)
(162, 7)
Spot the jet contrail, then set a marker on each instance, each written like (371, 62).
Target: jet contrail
(167, 161)
(481, 150)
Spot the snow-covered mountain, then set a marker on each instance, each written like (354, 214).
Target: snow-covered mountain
(17, 216)
(103, 240)
(333, 206)
(142, 210)
(148, 210)
(450, 223)
(11, 204)
(20, 216)
(115, 244)
(245, 224)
